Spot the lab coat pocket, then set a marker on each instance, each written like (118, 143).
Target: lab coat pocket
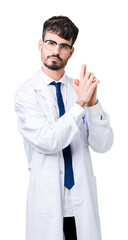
(84, 133)
(41, 196)
(93, 193)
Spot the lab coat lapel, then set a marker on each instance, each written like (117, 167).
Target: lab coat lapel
(46, 98)
(48, 101)
(71, 94)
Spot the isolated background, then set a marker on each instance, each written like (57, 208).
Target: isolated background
(102, 45)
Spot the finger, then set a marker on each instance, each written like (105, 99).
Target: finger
(87, 75)
(77, 82)
(74, 83)
(94, 85)
(92, 78)
(83, 71)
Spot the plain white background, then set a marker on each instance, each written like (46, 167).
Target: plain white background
(102, 45)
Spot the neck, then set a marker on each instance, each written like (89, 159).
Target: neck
(54, 74)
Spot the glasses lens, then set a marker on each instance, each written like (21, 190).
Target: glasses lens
(50, 45)
(64, 47)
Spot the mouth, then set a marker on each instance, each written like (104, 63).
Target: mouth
(54, 59)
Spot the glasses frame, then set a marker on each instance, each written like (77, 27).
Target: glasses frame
(61, 44)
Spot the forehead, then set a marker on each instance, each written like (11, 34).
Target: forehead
(53, 36)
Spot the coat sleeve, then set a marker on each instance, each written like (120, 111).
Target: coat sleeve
(100, 134)
(36, 129)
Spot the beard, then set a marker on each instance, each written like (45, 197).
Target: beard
(54, 65)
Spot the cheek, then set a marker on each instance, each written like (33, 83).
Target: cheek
(66, 59)
(43, 55)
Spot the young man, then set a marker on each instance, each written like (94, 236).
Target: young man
(59, 118)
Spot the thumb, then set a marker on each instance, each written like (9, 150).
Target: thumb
(75, 83)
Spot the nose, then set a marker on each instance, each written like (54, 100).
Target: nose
(56, 49)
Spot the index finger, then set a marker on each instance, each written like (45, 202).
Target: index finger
(83, 71)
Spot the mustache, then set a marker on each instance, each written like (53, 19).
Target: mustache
(56, 56)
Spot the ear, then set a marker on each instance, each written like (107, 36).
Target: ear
(72, 51)
(40, 44)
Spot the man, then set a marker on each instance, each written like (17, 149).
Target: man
(59, 118)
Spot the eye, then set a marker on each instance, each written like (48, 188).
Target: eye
(64, 46)
(51, 43)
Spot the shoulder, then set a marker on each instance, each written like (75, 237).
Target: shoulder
(27, 91)
(31, 85)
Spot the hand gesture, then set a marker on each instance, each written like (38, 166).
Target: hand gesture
(86, 87)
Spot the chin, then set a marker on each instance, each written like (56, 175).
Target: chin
(53, 67)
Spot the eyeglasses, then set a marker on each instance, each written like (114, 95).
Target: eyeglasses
(51, 45)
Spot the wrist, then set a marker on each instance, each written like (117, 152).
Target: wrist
(81, 103)
(90, 104)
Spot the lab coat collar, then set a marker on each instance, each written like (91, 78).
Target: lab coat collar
(40, 80)
(48, 80)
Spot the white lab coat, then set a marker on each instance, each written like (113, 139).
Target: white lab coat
(44, 138)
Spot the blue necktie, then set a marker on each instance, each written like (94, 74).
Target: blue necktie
(69, 178)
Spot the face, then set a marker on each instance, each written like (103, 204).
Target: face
(55, 58)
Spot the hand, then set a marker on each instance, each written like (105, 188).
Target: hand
(93, 101)
(87, 86)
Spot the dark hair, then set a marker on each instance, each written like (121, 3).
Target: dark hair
(62, 26)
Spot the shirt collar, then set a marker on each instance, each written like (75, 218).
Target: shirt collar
(48, 80)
